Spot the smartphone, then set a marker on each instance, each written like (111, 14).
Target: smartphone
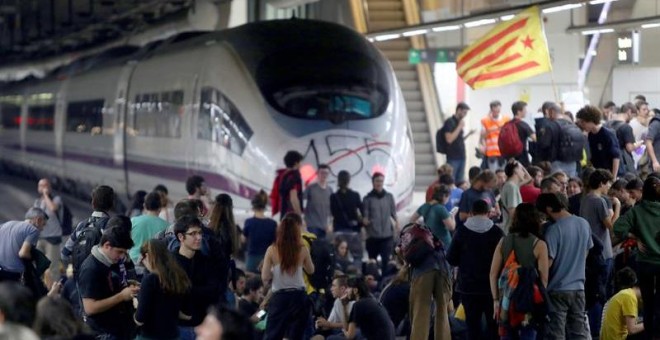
(62, 280)
(454, 210)
(134, 283)
(260, 314)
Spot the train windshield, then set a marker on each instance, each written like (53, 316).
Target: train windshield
(329, 105)
(325, 85)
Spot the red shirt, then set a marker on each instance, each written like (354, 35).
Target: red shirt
(529, 193)
(429, 190)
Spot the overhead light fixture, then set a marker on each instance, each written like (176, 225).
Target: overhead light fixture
(598, 2)
(592, 32)
(481, 22)
(370, 39)
(561, 8)
(415, 32)
(507, 17)
(388, 37)
(446, 28)
(651, 25)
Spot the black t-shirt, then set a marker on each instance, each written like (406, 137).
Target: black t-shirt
(344, 207)
(205, 280)
(96, 281)
(524, 132)
(372, 319)
(247, 308)
(456, 149)
(291, 180)
(604, 148)
(624, 133)
(158, 310)
(395, 299)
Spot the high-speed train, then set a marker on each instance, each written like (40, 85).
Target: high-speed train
(226, 105)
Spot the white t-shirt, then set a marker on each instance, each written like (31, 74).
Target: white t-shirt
(337, 314)
(639, 130)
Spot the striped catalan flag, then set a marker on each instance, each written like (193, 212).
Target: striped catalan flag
(513, 50)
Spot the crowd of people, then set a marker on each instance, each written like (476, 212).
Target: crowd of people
(555, 236)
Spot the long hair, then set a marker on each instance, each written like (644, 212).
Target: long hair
(222, 217)
(173, 279)
(56, 319)
(651, 189)
(288, 242)
(526, 220)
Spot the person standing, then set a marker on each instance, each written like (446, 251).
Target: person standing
(50, 238)
(147, 225)
(291, 186)
(259, 232)
(510, 196)
(624, 134)
(604, 146)
(197, 189)
(285, 260)
(436, 216)
(640, 124)
(569, 239)
(490, 134)
(346, 208)
(567, 140)
(652, 142)
(161, 293)
(317, 205)
(380, 221)
(452, 131)
(17, 238)
(478, 232)
(525, 132)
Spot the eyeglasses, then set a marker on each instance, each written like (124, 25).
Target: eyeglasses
(194, 233)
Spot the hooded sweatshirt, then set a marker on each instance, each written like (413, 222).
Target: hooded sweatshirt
(474, 266)
(643, 222)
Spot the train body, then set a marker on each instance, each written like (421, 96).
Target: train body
(225, 105)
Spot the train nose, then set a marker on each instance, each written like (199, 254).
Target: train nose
(359, 154)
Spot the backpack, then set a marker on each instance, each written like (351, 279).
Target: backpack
(417, 243)
(275, 192)
(571, 142)
(66, 220)
(509, 140)
(627, 161)
(521, 292)
(440, 141)
(88, 235)
(323, 257)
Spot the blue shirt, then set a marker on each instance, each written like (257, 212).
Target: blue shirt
(454, 198)
(12, 236)
(568, 241)
(260, 234)
(604, 148)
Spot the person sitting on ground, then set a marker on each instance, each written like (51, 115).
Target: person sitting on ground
(341, 309)
(620, 315)
(16, 312)
(249, 302)
(343, 258)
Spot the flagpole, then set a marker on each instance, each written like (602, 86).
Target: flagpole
(554, 85)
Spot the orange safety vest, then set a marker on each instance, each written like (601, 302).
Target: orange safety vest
(492, 128)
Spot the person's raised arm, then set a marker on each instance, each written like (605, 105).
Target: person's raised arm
(450, 137)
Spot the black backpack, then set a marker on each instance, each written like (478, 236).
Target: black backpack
(323, 257)
(440, 141)
(571, 142)
(66, 220)
(89, 234)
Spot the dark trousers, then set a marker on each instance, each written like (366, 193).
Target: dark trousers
(649, 281)
(476, 308)
(383, 247)
(288, 314)
(9, 276)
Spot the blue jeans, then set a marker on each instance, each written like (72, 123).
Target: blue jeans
(252, 263)
(459, 169)
(187, 333)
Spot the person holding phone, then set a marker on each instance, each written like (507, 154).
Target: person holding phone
(161, 293)
(452, 131)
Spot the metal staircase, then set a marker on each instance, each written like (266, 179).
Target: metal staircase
(386, 14)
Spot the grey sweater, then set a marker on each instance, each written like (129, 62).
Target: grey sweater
(379, 211)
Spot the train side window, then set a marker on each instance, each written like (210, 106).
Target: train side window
(11, 116)
(41, 117)
(158, 114)
(85, 117)
(221, 122)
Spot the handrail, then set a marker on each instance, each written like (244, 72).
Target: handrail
(434, 115)
(360, 16)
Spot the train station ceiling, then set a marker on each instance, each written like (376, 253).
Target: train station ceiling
(38, 29)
